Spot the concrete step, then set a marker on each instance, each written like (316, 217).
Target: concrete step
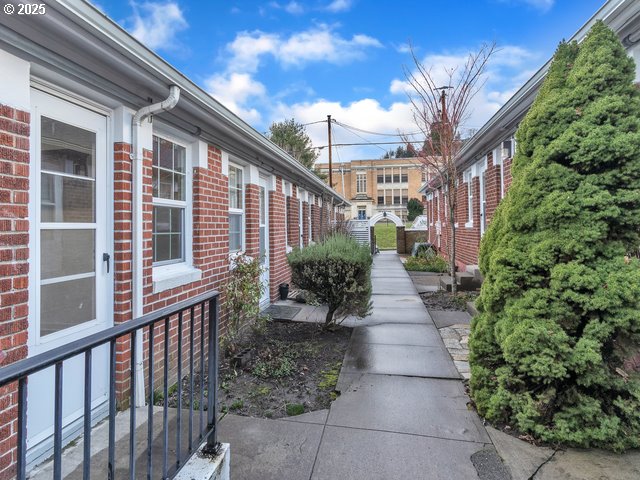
(468, 281)
(463, 286)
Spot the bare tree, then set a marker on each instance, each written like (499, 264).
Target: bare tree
(439, 111)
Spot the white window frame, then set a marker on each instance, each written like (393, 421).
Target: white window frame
(172, 275)
(183, 204)
(467, 177)
(238, 211)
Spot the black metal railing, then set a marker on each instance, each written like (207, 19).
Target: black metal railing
(204, 308)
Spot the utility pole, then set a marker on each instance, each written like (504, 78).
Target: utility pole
(329, 143)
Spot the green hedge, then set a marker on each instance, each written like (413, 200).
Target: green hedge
(338, 273)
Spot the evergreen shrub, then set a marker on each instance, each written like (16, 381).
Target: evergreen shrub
(555, 346)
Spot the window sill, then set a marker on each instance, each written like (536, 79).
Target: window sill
(468, 225)
(167, 277)
(288, 249)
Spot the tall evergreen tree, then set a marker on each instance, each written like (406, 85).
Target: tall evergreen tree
(292, 137)
(556, 346)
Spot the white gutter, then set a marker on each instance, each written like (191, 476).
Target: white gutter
(137, 206)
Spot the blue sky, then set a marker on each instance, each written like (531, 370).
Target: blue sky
(272, 60)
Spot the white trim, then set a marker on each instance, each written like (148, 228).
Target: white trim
(174, 275)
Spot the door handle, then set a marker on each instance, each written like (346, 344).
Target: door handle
(106, 258)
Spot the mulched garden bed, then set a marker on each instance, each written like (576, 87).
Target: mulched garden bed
(442, 300)
(292, 368)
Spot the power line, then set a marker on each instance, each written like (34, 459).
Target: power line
(344, 125)
(367, 143)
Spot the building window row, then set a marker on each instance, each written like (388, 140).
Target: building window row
(392, 175)
(393, 196)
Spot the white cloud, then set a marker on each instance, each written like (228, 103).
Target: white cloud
(156, 23)
(542, 5)
(503, 76)
(339, 6)
(403, 48)
(234, 90)
(318, 44)
(294, 8)
(367, 114)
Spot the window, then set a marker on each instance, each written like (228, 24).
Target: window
(396, 197)
(362, 213)
(381, 175)
(169, 201)
(236, 208)
(396, 175)
(361, 183)
(387, 177)
(468, 178)
(405, 197)
(404, 176)
(380, 197)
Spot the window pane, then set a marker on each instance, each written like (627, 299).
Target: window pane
(263, 248)
(67, 149)
(162, 248)
(179, 158)
(166, 154)
(239, 202)
(161, 220)
(66, 199)
(166, 185)
(178, 186)
(168, 229)
(66, 304)
(66, 252)
(235, 232)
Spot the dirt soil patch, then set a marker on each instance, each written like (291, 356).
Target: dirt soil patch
(293, 369)
(442, 300)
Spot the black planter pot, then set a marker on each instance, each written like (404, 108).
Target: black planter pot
(284, 291)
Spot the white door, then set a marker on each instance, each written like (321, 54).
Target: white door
(70, 281)
(264, 240)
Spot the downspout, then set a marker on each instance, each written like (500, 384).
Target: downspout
(137, 206)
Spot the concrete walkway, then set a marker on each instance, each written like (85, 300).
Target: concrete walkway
(402, 412)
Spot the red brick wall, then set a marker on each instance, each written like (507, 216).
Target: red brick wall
(278, 268)
(210, 239)
(315, 219)
(468, 238)
(305, 223)
(252, 220)
(293, 222)
(14, 267)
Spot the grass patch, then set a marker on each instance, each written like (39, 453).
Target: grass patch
(294, 409)
(330, 377)
(385, 232)
(432, 264)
